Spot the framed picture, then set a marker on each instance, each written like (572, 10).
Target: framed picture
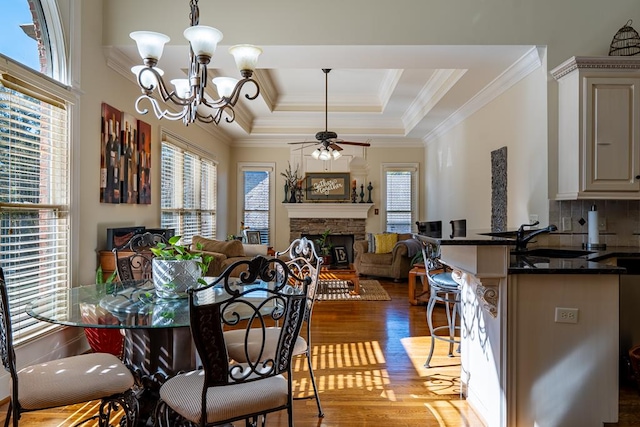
(340, 255)
(253, 237)
(327, 186)
(110, 155)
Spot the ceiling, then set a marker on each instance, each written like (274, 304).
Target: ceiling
(386, 95)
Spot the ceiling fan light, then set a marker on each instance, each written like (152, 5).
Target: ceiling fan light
(316, 154)
(336, 154)
(325, 155)
(246, 56)
(150, 44)
(225, 85)
(204, 41)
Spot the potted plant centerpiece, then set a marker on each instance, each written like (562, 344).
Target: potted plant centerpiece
(175, 268)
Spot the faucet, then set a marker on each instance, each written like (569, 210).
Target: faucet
(522, 239)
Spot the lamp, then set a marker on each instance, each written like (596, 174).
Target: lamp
(189, 93)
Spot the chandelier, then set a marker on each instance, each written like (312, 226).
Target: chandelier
(188, 94)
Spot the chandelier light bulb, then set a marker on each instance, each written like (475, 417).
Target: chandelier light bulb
(148, 79)
(316, 154)
(183, 89)
(150, 45)
(325, 155)
(336, 154)
(204, 41)
(225, 85)
(246, 56)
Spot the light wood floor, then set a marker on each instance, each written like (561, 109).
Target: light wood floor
(369, 360)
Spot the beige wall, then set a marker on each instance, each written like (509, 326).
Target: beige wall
(458, 175)
(101, 84)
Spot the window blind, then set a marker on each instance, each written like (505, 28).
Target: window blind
(188, 193)
(34, 204)
(399, 201)
(256, 202)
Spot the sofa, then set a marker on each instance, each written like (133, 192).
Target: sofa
(225, 253)
(392, 261)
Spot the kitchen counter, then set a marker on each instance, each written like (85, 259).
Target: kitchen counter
(591, 263)
(519, 355)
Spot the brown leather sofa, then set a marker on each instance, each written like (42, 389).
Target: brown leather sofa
(394, 265)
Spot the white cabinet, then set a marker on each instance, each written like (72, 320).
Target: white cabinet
(598, 128)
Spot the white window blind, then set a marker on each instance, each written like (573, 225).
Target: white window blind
(34, 204)
(399, 200)
(256, 191)
(188, 193)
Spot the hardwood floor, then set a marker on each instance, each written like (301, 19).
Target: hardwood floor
(368, 359)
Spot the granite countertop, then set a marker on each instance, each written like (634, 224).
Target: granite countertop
(589, 263)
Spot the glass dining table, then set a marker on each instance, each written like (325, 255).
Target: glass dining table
(157, 337)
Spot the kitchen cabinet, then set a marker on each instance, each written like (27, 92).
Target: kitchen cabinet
(598, 128)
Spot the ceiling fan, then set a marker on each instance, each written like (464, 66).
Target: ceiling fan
(328, 139)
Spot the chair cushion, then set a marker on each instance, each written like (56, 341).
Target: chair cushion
(232, 248)
(234, 339)
(444, 279)
(385, 242)
(72, 380)
(183, 394)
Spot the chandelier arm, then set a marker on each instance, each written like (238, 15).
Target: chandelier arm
(159, 112)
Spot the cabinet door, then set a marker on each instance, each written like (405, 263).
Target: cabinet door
(611, 135)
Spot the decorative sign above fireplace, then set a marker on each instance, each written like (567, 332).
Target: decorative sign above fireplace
(327, 186)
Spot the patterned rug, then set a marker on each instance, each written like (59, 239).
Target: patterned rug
(338, 290)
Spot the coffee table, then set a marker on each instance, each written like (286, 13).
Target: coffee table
(330, 272)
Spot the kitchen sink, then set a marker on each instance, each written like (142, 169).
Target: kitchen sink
(555, 253)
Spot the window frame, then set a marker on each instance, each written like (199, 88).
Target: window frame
(42, 87)
(187, 147)
(269, 167)
(414, 169)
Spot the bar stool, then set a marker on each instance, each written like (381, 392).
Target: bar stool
(445, 290)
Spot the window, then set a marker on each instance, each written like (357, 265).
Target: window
(400, 187)
(31, 34)
(34, 204)
(255, 183)
(35, 173)
(188, 191)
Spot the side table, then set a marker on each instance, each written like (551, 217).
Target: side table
(418, 270)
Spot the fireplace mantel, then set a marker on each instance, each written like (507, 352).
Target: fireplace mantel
(328, 210)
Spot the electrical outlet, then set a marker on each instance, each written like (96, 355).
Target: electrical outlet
(566, 223)
(566, 315)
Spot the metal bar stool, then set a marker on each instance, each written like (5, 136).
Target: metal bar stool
(445, 290)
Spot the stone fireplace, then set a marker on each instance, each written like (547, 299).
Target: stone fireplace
(343, 219)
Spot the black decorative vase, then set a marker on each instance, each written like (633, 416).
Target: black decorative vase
(292, 199)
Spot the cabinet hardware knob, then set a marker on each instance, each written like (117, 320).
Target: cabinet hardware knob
(637, 176)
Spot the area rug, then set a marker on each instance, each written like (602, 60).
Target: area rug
(339, 290)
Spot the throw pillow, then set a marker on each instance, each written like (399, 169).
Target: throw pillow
(372, 242)
(385, 242)
(231, 249)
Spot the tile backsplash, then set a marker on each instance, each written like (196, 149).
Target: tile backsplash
(619, 222)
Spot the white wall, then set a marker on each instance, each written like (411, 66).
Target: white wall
(458, 172)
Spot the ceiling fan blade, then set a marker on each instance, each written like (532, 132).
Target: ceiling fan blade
(335, 146)
(303, 142)
(361, 144)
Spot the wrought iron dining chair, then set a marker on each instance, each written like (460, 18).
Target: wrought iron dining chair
(67, 381)
(224, 391)
(134, 259)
